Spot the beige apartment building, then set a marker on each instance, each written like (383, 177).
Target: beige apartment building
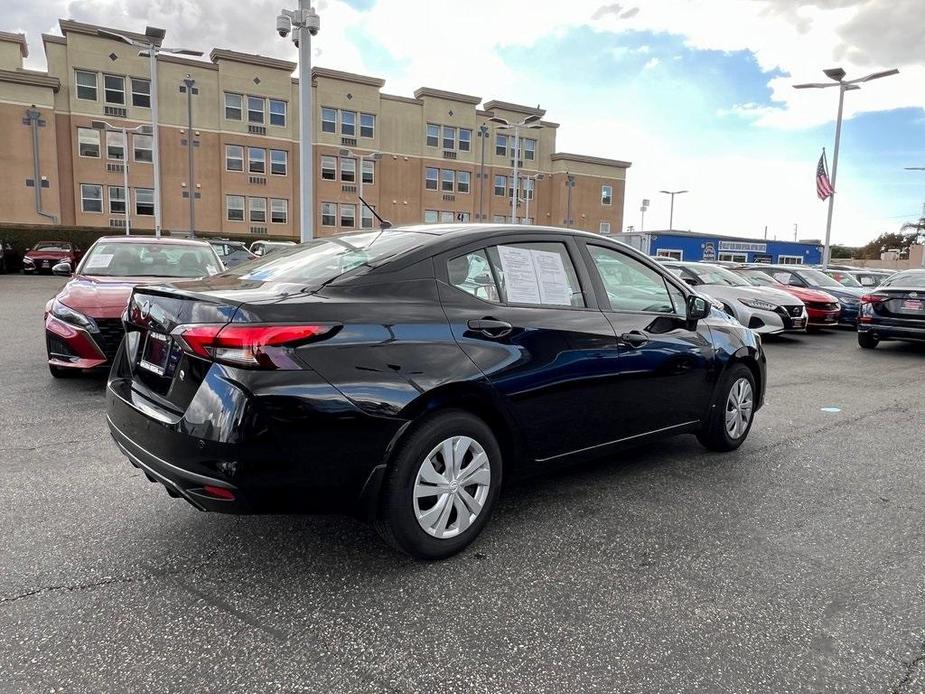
(432, 157)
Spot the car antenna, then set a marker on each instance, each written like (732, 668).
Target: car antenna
(383, 223)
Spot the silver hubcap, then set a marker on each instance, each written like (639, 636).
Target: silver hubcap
(739, 408)
(451, 487)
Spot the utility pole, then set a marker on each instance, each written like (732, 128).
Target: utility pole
(190, 89)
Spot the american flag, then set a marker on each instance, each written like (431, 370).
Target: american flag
(823, 186)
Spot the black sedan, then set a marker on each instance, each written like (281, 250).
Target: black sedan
(894, 311)
(408, 374)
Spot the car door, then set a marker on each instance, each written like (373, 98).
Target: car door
(665, 361)
(522, 308)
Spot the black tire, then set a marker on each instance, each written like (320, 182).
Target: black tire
(61, 372)
(867, 341)
(714, 434)
(396, 522)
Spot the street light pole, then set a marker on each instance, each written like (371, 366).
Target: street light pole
(838, 77)
(672, 193)
(528, 122)
(190, 85)
(528, 194)
(304, 23)
(642, 208)
(141, 130)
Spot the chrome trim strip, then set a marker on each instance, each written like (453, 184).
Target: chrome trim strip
(616, 441)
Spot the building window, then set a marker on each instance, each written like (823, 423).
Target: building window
(604, 228)
(500, 185)
(449, 137)
(498, 219)
(462, 181)
(529, 184)
(278, 113)
(430, 216)
(465, 139)
(86, 85)
(141, 92)
(348, 170)
(144, 202)
(234, 158)
(606, 195)
(279, 162)
(368, 172)
(114, 89)
(529, 149)
(366, 217)
(255, 109)
(234, 208)
(433, 135)
(116, 200)
(348, 123)
(257, 160)
(328, 168)
(279, 211)
(88, 142)
(790, 259)
(233, 106)
(447, 180)
(91, 198)
(733, 257)
(115, 145)
(328, 120)
(143, 146)
(348, 216)
(462, 217)
(258, 209)
(501, 145)
(367, 125)
(431, 176)
(673, 253)
(328, 214)
(446, 217)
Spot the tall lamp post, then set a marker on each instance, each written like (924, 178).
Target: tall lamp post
(837, 75)
(189, 88)
(373, 157)
(303, 23)
(672, 193)
(919, 168)
(642, 209)
(141, 130)
(530, 122)
(150, 47)
(529, 193)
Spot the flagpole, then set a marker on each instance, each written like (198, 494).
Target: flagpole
(828, 222)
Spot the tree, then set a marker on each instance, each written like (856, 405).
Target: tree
(839, 251)
(901, 240)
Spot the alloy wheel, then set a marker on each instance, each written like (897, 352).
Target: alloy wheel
(451, 487)
(739, 408)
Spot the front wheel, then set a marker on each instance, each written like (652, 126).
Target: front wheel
(441, 486)
(731, 415)
(867, 341)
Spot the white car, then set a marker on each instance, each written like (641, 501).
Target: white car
(259, 248)
(764, 310)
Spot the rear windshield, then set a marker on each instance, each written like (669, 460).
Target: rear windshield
(914, 280)
(322, 260)
(52, 246)
(117, 259)
(713, 274)
(758, 278)
(817, 278)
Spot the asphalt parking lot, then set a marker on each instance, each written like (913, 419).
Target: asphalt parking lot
(796, 564)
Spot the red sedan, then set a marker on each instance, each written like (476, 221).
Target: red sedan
(44, 255)
(822, 308)
(83, 323)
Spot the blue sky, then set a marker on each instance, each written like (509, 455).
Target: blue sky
(696, 93)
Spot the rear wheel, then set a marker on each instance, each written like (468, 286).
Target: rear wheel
(61, 372)
(732, 412)
(867, 341)
(441, 486)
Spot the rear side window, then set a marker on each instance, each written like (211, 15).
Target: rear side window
(472, 274)
(632, 285)
(540, 274)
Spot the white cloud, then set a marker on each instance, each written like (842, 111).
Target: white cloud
(651, 63)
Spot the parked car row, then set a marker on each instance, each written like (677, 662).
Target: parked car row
(403, 374)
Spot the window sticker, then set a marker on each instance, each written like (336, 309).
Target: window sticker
(553, 282)
(534, 277)
(99, 260)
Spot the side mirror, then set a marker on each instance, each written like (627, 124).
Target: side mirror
(698, 308)
(63, 269)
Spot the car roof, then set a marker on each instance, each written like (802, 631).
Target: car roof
(152, 239)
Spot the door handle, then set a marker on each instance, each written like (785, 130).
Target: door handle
(490, 327)
(634, 339)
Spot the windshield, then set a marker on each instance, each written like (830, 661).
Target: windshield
(55, 246)
(818, 279)
(758, 278)
(120, 259)
(913, 279)
(845, 279)
(713, 274)
(322, 260)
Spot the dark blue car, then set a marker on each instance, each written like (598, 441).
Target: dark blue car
(894, 311)
(799, 276)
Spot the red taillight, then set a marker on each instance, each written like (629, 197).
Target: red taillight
(254, 346)
(873, 299)
(219, 492)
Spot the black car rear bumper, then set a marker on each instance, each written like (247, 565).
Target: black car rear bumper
(893, 332)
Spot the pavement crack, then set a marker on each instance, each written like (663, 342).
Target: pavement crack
(909, 666)
(70, 587)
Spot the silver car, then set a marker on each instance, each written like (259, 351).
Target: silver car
(764, 310)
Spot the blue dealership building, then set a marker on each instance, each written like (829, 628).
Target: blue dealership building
(692, 246)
